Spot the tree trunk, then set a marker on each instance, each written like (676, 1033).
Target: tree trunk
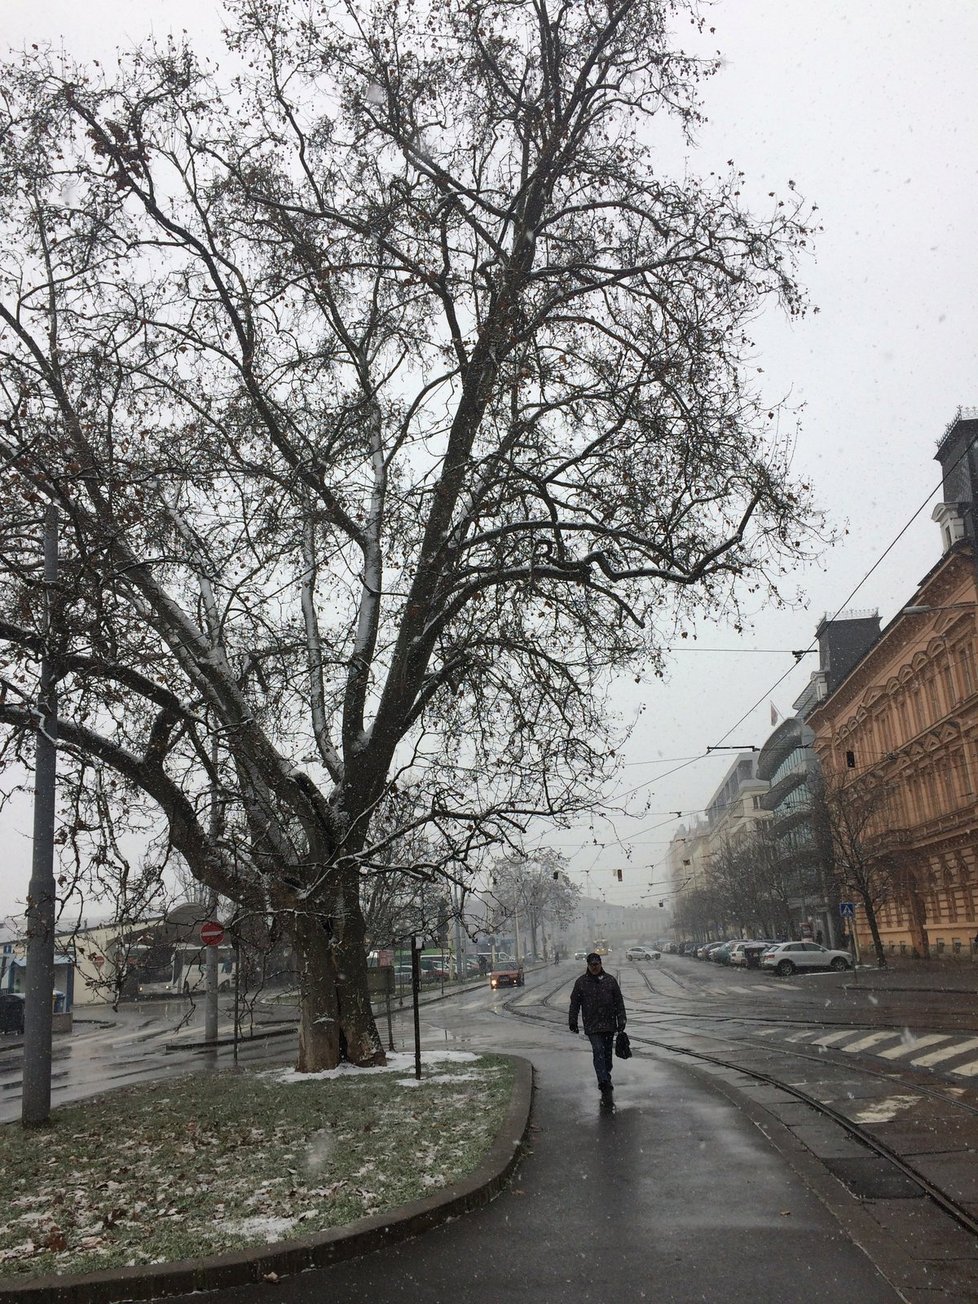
(335, 1019)
(319, 1028)
(361, 1041)
(874, 929)
(918, 918)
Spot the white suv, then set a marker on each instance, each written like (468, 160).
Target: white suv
(788, 957)
(641, 953)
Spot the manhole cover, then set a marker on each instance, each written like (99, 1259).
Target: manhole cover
(873, 1178)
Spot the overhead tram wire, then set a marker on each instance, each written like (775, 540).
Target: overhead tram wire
(842, 606)
(812, 647)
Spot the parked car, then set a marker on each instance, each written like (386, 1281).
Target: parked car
(788, 957)
(641, 953)
(11, 1013)
(738, 952)
(506, 974)
(434, 969)
(721, 954)
(706, 950)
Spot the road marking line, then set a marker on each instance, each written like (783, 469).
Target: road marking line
(831, 1038)
(874, 1039)
(947, 1052)
(912, 1046)
(969, 1070)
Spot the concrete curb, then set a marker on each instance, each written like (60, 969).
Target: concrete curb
(284, 1258)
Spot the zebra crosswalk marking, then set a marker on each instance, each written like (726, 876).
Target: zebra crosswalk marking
(911, 1047)
(946, 1052)
(865, 1040)
(873, 1039)
(832, 1037)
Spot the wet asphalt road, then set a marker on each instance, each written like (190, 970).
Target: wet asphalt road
(140, 1042)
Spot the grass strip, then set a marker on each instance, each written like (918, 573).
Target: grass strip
(212, 1162)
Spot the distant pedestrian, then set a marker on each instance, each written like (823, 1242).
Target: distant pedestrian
(597, 997)
(818, 937)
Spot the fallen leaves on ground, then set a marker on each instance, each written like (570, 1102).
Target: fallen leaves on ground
(208, 1163)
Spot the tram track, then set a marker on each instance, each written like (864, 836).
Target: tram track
(871, 1018)
(832, 1069)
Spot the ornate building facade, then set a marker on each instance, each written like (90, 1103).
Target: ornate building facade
(903, 724)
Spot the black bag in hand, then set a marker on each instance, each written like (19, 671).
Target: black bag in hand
(623, 1047)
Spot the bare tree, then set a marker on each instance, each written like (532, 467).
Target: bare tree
(756, 884)
(852, 818)
(699, 914)
(391, 396)
(532, 889)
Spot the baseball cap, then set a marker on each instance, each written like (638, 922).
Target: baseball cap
(593, 956)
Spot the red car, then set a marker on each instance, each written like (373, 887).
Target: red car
(507, 973)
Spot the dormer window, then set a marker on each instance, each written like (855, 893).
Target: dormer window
(950, 517)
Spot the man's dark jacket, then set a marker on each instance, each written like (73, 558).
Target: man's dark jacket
(598, 997)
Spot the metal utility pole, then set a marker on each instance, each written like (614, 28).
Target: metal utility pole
(415, 986)
(457, 906)
(41, 895)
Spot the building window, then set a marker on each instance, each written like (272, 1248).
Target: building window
(951, 778)
(933, 697)
(948, 677)
(905, 719)
(918, 709)
(901, 812)
(967, 663)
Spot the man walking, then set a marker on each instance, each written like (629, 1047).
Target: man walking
(598, 998)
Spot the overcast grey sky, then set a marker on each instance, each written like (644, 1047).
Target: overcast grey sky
(869, 106)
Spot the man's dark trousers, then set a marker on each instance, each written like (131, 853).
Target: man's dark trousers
(602, 1044)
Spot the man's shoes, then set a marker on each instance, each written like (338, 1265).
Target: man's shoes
(607, 1092)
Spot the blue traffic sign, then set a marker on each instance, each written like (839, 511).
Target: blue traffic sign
(847, 909)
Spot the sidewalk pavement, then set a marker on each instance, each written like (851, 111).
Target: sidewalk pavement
(907, 974)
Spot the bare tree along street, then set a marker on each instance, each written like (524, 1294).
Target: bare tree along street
(393, 401)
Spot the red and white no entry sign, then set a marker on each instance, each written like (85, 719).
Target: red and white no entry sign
(211, 933)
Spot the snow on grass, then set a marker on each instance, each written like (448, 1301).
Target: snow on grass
(203, 1164)
(397, 1062)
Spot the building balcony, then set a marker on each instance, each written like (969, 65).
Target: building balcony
(790, 817)
(795, 777)
(790, 735)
